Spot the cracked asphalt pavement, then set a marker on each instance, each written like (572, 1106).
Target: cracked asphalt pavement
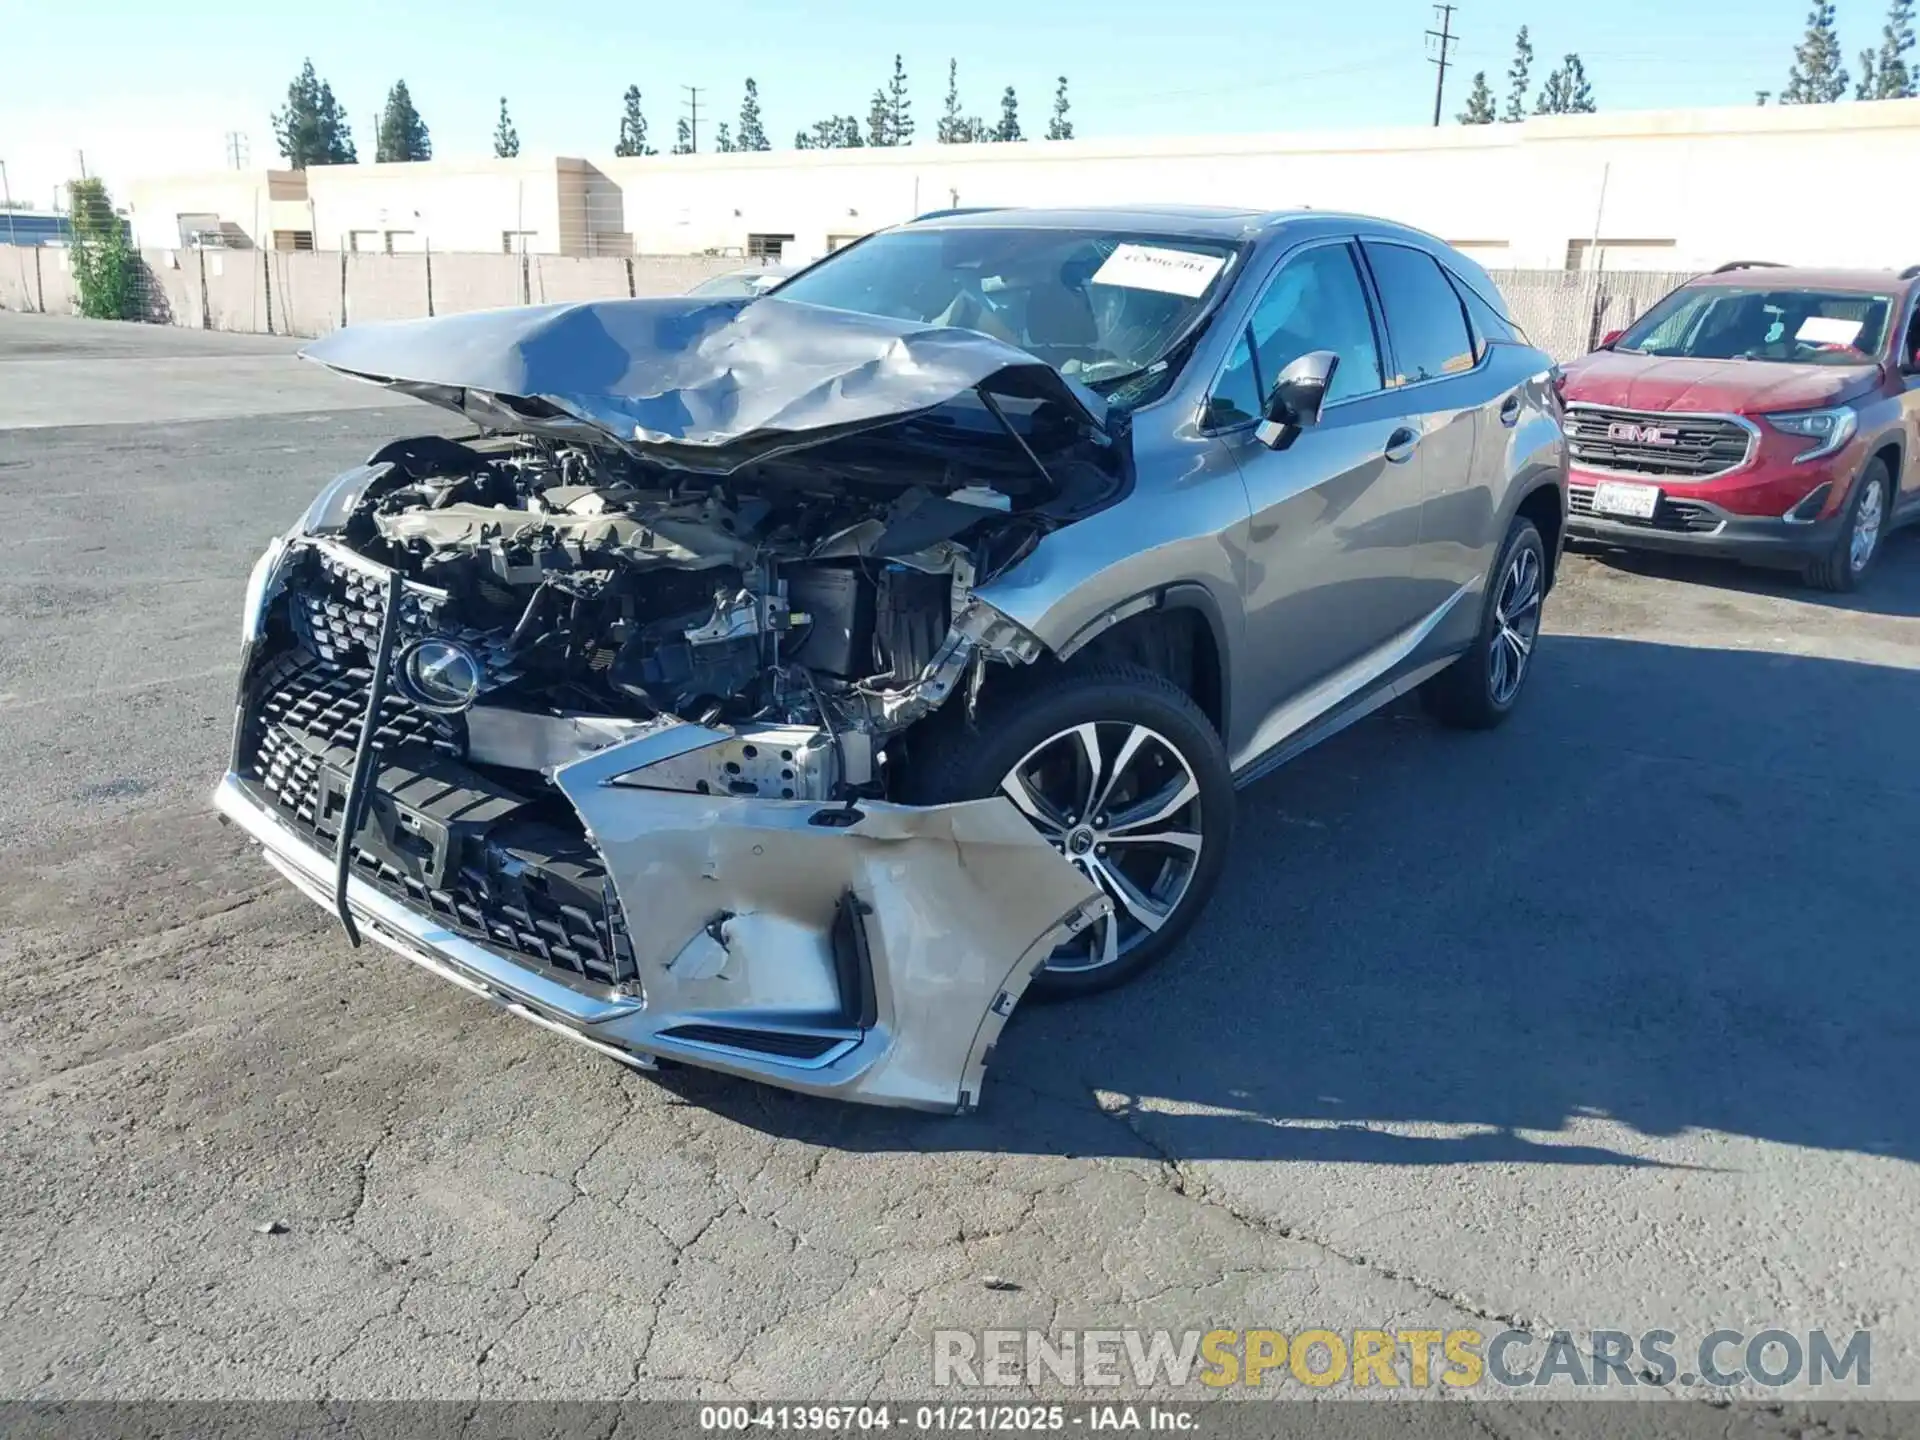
(1605, 1021)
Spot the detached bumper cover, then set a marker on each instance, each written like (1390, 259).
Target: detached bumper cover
(874, 961)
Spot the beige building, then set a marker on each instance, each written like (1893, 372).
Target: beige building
(1656, 190)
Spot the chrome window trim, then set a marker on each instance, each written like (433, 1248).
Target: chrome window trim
(1753, 441)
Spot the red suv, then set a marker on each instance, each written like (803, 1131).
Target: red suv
(1761, 413)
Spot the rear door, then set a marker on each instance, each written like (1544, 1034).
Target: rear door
(1449, 389)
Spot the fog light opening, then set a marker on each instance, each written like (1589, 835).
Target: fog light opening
(1808, 510)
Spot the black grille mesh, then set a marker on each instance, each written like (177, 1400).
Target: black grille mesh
(487, 862)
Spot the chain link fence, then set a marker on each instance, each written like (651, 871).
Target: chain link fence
(1565, 312)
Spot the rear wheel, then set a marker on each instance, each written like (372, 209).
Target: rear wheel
(1480, 689)
(1122, 774)
(1843, 567)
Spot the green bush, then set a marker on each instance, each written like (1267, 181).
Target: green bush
(106, 267)
(106, 271)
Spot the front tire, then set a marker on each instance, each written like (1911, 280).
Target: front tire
(1122, 773)
(1480, 689)
(1842, 568)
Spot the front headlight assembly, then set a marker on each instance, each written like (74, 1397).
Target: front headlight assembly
(1831, 428)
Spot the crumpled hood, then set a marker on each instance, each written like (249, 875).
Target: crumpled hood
(1731, 387)
(707, 385)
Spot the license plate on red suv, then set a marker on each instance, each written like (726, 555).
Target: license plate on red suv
(1614, 497)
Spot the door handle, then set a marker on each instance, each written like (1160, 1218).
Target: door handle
(1510, 411)
(1400, 445)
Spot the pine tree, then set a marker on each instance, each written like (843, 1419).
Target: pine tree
(836, 132)
(506, 139)
(312, 128)
(753, 134)
(1060, 127)
(1008, 130)
(1479, 109)
(1887, 75)
(403, 134)
(633, 127)
(1519, 77)
(723, 140)
(899, 107)
(682, 137)
(1817, 77)
(1567, 91)
(878, 121)
(955, 128)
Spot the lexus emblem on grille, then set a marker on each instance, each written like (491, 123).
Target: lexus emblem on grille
(1632, 434)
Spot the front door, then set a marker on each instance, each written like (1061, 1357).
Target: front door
(1335, 508)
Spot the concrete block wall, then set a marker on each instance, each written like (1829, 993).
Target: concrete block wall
(480, 282)
(307, 291)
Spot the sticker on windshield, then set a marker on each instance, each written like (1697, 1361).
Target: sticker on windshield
(1825, 330)
(1149, 267)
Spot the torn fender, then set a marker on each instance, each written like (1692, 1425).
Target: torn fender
(731, 904)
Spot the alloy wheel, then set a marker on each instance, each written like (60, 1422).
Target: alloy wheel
(1122, 803)
(1866, 527)
(1516, 620)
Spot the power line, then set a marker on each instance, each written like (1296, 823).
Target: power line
(1443, 53)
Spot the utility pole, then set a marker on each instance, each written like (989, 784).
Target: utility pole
(1441, 42)
(693, 115)
(81, 156)
(238, 150)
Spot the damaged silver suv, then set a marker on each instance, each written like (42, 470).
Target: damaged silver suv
(780, 685)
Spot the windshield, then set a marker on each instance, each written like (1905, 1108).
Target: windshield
(1726, 322)
(1098, 306)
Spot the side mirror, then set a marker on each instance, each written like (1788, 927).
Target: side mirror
(1298, 395)
(1607, 340)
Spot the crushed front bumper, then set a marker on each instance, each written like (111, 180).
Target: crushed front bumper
(871, 956)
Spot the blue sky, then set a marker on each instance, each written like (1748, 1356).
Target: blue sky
(154, 87)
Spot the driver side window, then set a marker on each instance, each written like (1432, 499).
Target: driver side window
(1315, 302)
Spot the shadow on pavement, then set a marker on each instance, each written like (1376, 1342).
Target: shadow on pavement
(1676, 891)
(1892, 586)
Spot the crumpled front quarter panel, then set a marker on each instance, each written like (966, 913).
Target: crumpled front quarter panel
(731, 901)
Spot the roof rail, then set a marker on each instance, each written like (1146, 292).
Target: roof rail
(1749, 265)
(962, 210)
(1912, 272)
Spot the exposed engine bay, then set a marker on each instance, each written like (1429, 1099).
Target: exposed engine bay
(565, 596)
(604, 711)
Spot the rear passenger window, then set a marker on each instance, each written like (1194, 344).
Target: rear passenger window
(1490, 327)
(1425, 320)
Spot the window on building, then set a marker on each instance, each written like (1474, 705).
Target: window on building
(1425, 319)
(293, 240)
(400, 242)
(840, 242)
(1316, 302)
(363, 242)
(516, 242)
(766, 247)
